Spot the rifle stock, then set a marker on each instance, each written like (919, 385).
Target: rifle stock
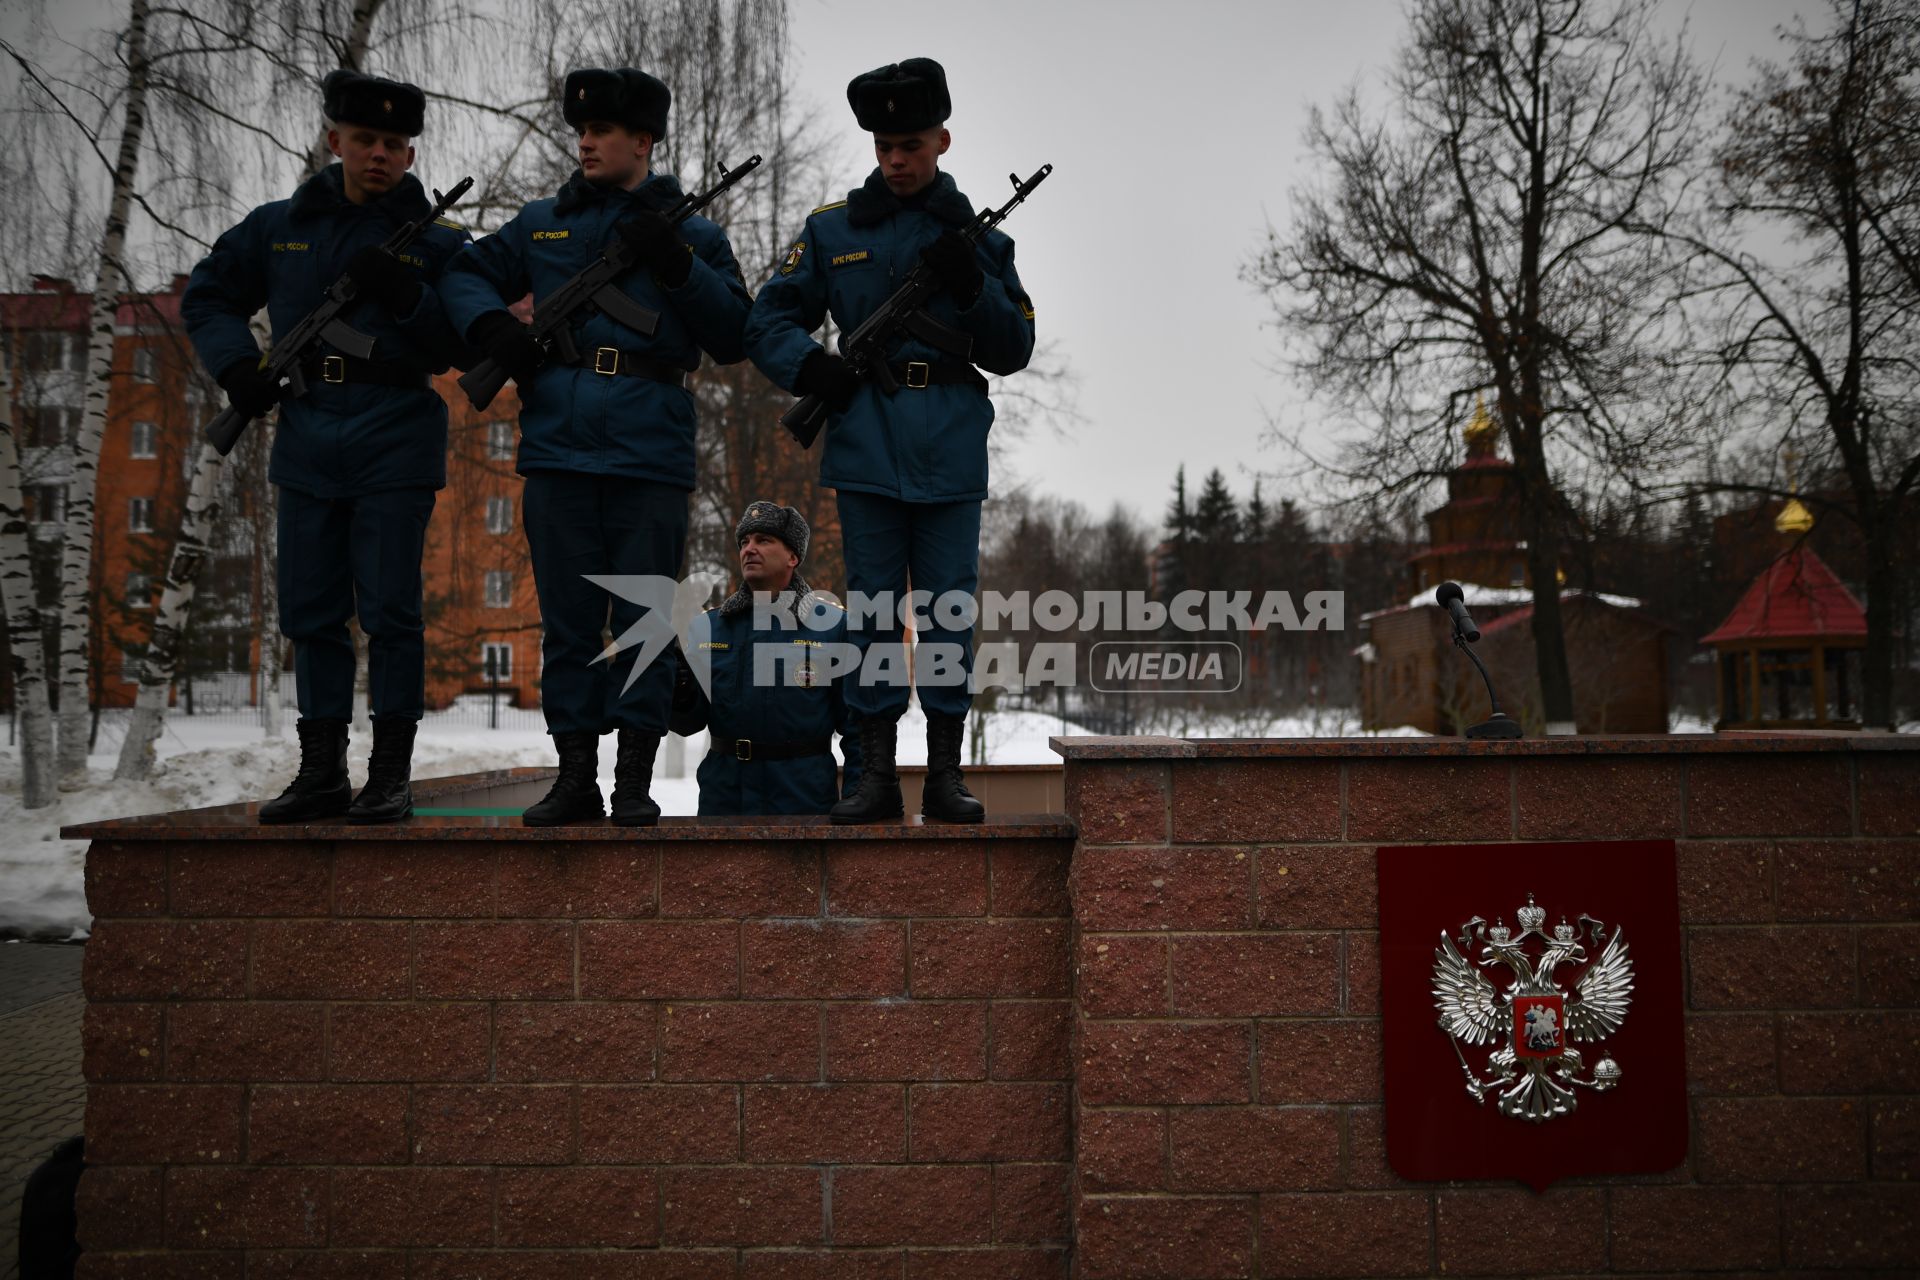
(225, 430)
(483, 382)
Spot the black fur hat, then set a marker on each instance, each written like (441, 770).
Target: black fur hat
(632, 99)
(783, 523)
(347, 97)
(904, 97)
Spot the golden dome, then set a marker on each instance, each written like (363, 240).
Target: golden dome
(1793, 518)
(1481, 432)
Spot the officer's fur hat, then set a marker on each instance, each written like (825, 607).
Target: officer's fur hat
(629, 98)
(783, 523)
(903, 97)
(347, 97)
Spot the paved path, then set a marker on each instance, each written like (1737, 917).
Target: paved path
(42, 1094)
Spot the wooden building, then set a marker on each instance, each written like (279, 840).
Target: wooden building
(1789, 653)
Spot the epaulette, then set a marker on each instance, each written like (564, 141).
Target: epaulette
(448, 222)
(837, 204)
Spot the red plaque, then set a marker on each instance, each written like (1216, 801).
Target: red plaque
(1533, 1022)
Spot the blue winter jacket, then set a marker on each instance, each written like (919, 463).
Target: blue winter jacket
(340, 439)
(926, 445)
(573, 419)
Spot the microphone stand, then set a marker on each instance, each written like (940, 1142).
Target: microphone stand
(1496, 726)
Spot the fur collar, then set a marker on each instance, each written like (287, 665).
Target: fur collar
(325, 192)
(742, 600)
(874, 203)
(661, 191)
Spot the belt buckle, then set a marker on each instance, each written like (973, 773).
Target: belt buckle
(918, 372)
(743, 748)
(606, 360)
(333, 369)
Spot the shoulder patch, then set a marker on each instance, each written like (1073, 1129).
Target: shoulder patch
(793, 257)
(827, 208)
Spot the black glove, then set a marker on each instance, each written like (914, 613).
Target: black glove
(249, 389)
(379, 275)
(830, 377)
(507, 343)
(951, 258)
(656, 241)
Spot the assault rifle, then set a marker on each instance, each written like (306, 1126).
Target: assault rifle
(595, 286)
(866, 347)
(324, 325)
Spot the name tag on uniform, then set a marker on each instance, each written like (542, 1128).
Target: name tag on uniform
(551, 235)
(413, 261)
(714, 644)
(291, 246)
(849, 259)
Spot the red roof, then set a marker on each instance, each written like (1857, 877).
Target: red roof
(1795, 598)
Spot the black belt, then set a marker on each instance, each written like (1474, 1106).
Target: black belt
(749, 749)
(936, 373)
(339, 368)
(633, 364)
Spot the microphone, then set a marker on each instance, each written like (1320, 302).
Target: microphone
(1497, 725)
(1451, 598)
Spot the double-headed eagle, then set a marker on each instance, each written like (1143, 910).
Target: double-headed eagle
(1534, 1073)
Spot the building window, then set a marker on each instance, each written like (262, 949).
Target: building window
(130, 661)
(499, 515)
(146, 437)
(48, 350)
(500, 441)
(1518, 578)
(146, 365)
(140, 515)
(499, 589)
(496, 661)
(139, 591)
(46, 503)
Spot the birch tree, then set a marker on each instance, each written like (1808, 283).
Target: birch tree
(25, 650)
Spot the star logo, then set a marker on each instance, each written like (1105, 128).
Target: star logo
(386, 104)
(667, 610)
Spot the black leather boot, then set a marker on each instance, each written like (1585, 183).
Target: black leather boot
(575, 794)
(877, 798)
(946, 796)
(632, 776)
(320, 789)
(388, 795)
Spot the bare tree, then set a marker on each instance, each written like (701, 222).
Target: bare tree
(23, 617)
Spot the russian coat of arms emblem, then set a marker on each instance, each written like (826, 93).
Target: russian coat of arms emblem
(1535, 1074)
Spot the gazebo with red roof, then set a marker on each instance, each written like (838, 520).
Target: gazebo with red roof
(1795, 635)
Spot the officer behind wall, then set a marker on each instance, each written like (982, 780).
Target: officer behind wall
(359, 457)
(772, 718)
(910, 469)
(606, 446)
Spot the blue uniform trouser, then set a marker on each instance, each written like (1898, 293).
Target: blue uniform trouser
(579, 524)
(935, 546)
(344, 556)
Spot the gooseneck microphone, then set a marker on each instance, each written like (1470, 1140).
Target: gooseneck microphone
(1451, 598)
(1496, 726)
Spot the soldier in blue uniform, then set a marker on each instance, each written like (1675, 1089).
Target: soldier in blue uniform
(910, 469)
(606, 446)
(771, 717)
(359, 457)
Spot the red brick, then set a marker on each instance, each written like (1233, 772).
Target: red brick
(825, 1123)
(1424, 798)
(1360, 988)
(1030, 1204)
(904, 880)
(822, 1264)
(331, 960)
(1031, 1040)
(660, 1124)
(415, 879)
(914, 1040)
(1597, 798)
(1731, 1053)
(412, 1208)
(1888, 792)
(160, 1266)
(572, 880)
(1850, 1052)
(579, 1208)
(740, 1042)
(1162, 889)
(325, 1264)
(1367, 1165)
(1121, 1150)
(743, 1206)
(1244, 1149)
(735, 881)
(276, 878)
(247, 1208)
(1483, 1232)
(1122, 975)
(492, 1124)
(122, 1041)
(141, 960)
(1694, 1228)
(1779, 1140)
(1893, 1139)
(550, 1043)
(1154, 1063)
(1118, 802)
(1313, 1061)
(959, 1122)
(124, 880)
(1751, 969)
(1317, 887)
(494, 961)
(1872, 1226)
(1030, 877)
(1850, 881)
(651, 960)
(574, 1264)
(1783, 795)
(409, 1042)
(1726, 881)
(913, 1204)
(817, 960)
(118, 1209)
(1254, 975)
(1235, 801)
(1347, 1234)
(246, 1042)
(991, 1263)
(1890, 967)
(1191, 1238)
(990, 958)
(163, 1124)
(327, 1124)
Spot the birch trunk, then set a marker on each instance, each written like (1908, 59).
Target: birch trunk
(25, 649)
